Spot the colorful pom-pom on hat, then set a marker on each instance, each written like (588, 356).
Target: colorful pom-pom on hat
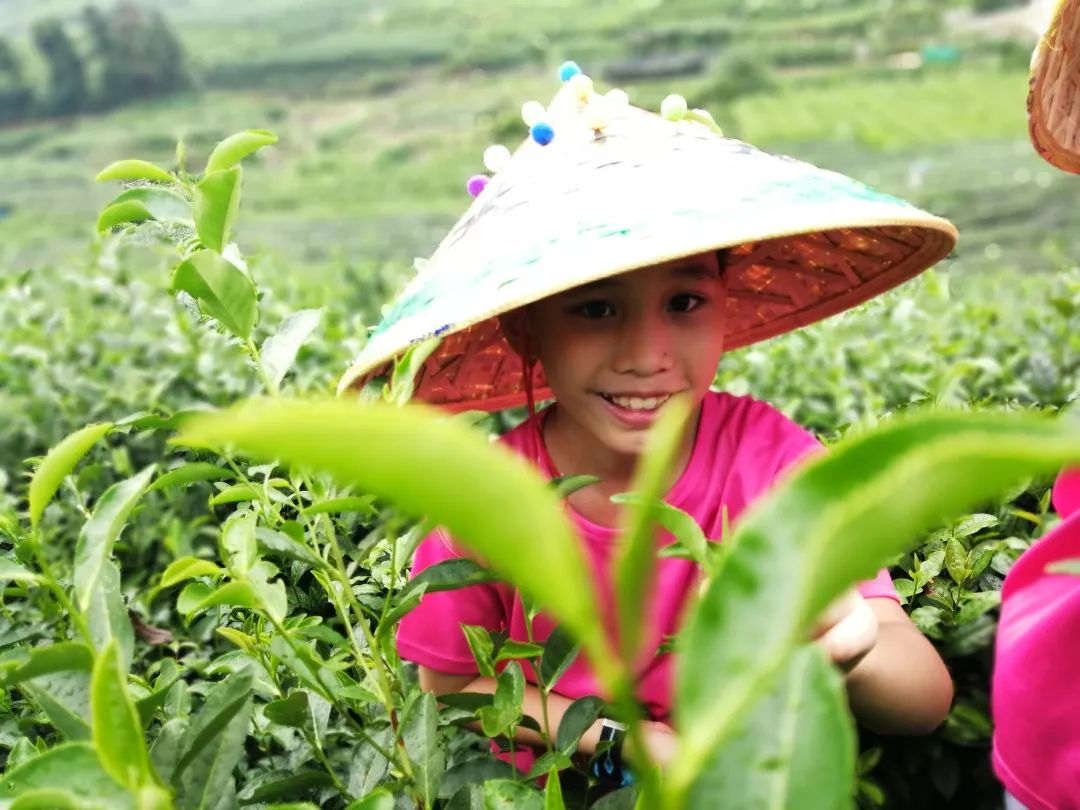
(802, 243)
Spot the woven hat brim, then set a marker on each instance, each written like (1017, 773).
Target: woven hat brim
(1054, 94)
(805, 244)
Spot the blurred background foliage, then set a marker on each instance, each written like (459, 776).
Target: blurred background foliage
(384, 110)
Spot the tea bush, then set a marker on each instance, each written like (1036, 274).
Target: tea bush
(253, 605)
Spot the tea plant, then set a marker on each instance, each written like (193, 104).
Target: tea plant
(239, 650)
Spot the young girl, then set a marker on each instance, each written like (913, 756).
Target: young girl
(607, 265)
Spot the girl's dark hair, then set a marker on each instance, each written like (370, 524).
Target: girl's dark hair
(722, 259)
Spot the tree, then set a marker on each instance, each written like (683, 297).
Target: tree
(137, 55)
(16, 97)
(66, 91)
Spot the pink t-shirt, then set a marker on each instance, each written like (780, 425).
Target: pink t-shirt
(742, 446)
(1036, 685)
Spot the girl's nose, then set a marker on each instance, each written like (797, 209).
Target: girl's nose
(644, 345)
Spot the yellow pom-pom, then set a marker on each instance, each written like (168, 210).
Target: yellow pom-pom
(617, 97)
(673, 108)
(532, 111)
(496, 157)
(581, 86)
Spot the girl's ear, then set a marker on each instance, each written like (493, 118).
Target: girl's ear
(515, 326)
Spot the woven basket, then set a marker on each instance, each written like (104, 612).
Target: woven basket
(1053, 101)
(805, 244)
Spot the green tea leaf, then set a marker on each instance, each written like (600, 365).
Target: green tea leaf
(60, 461)
(279, 350)
(281, 544)
(581, 714)
(482, 648)
(448, 575)
(291, 711)
(166, 747)
(223, 291)
(282, 785)
(190, 473)
(95, 544)
(236, 593)
(560, 651)
(474, 771)
(504, 794)
(511, 650)
(226, 711)
(553, 799)
(187, 568)
(237, 493)
(381, 799)
(74, 765)
(238, 146)
(63, 656)
(134, 170)
(505, 711)
(161, 204)
(361, 504)
(423, 463)
(956, 557)
(217, 203)
(107, 616)
(635, 559)
(122, 213)
(118, 736)
(11, 571)
(837, 520)
(795, 751)
(420, 736)
(65, 698)
(47, 799)
(238, 546)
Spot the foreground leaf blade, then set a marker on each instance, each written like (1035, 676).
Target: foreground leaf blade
(796, 750)
(118, 736)
(837, 521)
(423, 463)
(58, 463)
(100, 533)
(635, 561)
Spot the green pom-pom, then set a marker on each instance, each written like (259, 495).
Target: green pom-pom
(673, 108)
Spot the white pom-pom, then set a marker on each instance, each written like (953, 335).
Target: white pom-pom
(581, 86)
(532, 111)
(496, 157)
(617, 97)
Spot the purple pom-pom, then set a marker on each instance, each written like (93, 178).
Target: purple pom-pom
(568, 71)
(477, 183)
(542, 133)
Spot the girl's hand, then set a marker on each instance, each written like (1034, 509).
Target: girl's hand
(848, 630)
(659, 741)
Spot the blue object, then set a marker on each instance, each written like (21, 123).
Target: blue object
(542, 132)
(568, 71)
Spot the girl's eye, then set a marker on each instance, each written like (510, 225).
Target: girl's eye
(594, 310)
(685, 302)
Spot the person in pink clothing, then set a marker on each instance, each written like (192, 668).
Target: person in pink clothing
(612, 353)
(1034, 699)
(607, 265)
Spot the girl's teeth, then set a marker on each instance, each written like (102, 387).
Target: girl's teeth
(639, 403)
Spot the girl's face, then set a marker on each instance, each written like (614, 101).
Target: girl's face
(615, 350)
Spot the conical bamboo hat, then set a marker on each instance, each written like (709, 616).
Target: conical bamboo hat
(805, 243)
(1054, 98)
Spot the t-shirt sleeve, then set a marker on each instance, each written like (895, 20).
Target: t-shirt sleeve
(799, 445)
(431, 634)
